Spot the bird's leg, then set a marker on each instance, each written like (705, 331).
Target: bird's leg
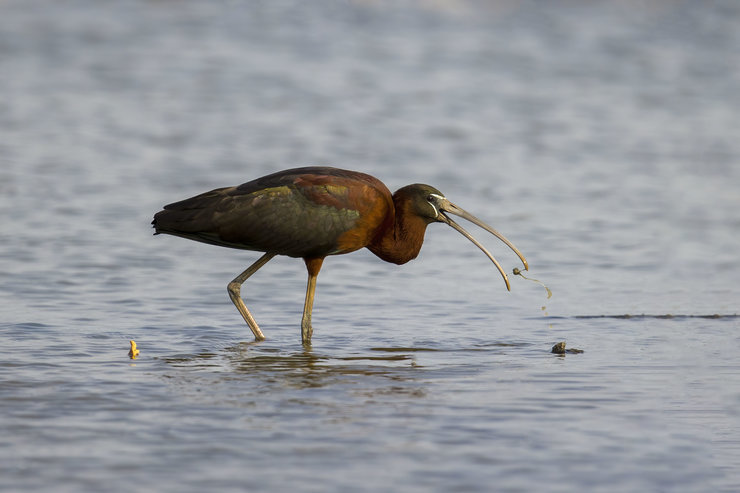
(313, 265)
(235, 287)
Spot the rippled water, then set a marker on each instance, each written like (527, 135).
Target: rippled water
(600, 137)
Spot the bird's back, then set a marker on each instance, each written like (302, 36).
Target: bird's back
(302, 212)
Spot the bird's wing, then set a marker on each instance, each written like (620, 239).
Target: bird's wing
(300, 213)
(286, 219)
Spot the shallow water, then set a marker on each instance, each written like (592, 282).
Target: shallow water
(601, 138)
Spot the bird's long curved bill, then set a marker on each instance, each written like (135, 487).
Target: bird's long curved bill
(453, 209)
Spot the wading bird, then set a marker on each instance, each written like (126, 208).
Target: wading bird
(311, 213)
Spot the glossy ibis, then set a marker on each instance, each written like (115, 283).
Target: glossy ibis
(311, 213)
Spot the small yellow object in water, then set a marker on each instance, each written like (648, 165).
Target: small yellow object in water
(133, 352)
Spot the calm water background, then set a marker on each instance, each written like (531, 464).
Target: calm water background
(602, 138)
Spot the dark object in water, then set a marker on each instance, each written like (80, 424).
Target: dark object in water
(560, 348)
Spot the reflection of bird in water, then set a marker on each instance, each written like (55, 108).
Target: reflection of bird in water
(312, 213)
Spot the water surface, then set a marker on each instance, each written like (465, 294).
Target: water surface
(601, 138)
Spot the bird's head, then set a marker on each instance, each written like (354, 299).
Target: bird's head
(432, 206)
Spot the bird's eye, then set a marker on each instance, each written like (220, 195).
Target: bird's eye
(433, 201)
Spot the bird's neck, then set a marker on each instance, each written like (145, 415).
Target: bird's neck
(402, 242)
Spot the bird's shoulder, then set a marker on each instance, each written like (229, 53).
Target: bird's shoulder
(322, 186)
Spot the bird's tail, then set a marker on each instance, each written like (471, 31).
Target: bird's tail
(191, 218)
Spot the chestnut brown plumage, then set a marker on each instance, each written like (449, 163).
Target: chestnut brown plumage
(312, 213)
